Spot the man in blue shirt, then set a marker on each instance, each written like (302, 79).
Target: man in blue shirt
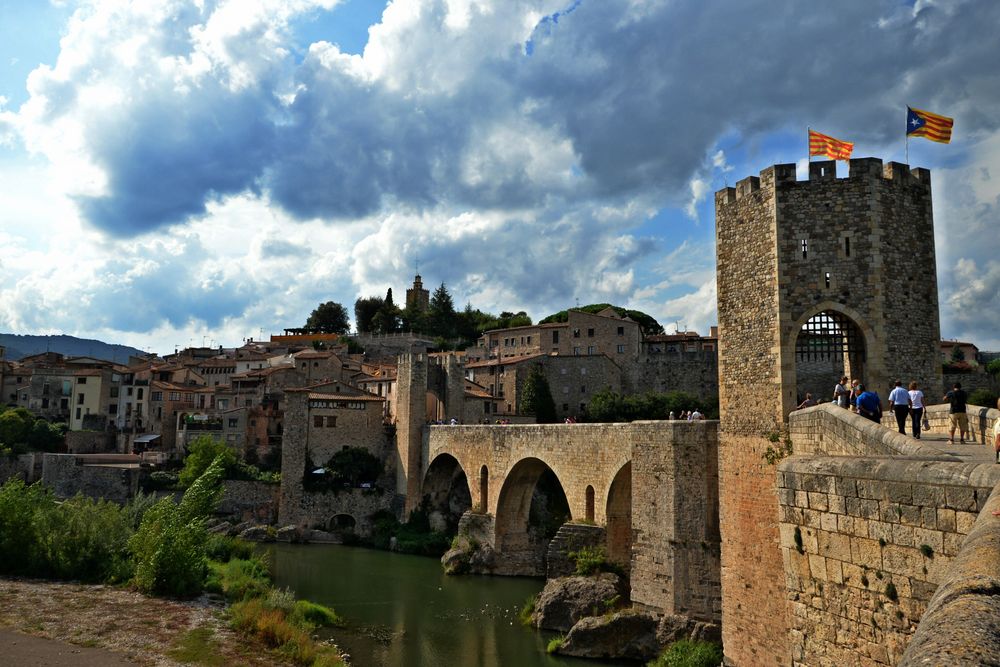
(869, 404)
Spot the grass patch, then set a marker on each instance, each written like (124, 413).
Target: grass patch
(239, 579)
(593, 560)
(197, 647)
(287, 633)
(527, 610)
(555, 644)
(687, 653)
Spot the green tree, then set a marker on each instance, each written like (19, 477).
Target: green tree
(365, 311)
(386, 320)
(354, 465)
(329, 317)
(993, 368)
(537, 397)
(441, 313)
(646, 322)
(169, 546)
(957, 354)
(202, 451)
(16, 426)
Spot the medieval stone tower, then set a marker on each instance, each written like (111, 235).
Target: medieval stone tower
(816, 279)
(422, 380)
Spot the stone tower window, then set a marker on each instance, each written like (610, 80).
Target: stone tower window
(828, 280)
(847, 246)
(805, 248)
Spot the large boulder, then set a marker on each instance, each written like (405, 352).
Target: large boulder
(469, 556)
(257, 534)
(675, 628)
(566, 600)
(289, 534)
(625, 635)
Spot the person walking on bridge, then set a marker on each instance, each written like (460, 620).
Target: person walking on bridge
(869, 404)
(841, 394)
(957, 398)
(899, 402)
(916, 407)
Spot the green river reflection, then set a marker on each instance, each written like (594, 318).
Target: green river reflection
(404, 611)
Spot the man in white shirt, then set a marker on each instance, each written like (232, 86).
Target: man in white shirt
(841, 394)
(899, 401)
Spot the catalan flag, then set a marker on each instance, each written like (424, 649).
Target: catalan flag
(928, 125)
(821, 144)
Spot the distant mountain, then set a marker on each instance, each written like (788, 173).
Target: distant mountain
(25, 346)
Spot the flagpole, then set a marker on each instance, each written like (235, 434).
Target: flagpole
(906, 136)
(808, 150)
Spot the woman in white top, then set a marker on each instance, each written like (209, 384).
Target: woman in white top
(916, 408)
(996, 436)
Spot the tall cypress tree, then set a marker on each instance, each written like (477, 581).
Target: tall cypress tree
(536, 397)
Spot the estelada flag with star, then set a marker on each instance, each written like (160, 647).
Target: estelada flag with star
(928, 125)
(821, 144)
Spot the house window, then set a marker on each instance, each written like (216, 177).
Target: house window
(174, 396)
(590, 333)
(157, 395)
(591, 349)
(79, 399)
(78, 413)
(233, 422)
(318, 421)
(128, 391)
(621, 349)
(331, 421)
(139, 393)
(529, 340)
(45, 403)
(555, 337)
(583, 389)
(565, 407)
(576, 351)
(621, 331)
(114, 391)
(112, 408)
(81, 380)
(576, 333)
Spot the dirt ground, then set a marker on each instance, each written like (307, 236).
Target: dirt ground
(135, 629)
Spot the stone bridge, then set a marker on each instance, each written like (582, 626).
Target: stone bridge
(653, 487)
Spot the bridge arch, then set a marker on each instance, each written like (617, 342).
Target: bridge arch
(619, 517)
(342, 523)
(446, 493)
(531, 506)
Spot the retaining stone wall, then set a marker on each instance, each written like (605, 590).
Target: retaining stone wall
(855, 528)
(68, 475)
(571, 537)
(22, 466)
(316, 509)
(250, 500)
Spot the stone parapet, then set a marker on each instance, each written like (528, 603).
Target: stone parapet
(962, 623)
(865, 542)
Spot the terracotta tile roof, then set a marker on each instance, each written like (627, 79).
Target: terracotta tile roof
(506, 361)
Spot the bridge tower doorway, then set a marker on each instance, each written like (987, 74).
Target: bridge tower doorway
(829, 346)
(531, 507)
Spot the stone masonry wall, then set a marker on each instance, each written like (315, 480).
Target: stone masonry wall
(754, 627)
(692, 372)
(675, 550)
(250, 500)
(865, 542)
(69, 475)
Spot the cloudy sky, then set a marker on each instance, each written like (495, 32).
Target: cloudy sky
(189, 171)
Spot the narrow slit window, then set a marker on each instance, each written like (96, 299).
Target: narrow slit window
(828, 280)
(805, 248)
(847, 246)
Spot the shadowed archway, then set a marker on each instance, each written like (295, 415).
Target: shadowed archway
(446, 493)
(530, 509)
(619, 517)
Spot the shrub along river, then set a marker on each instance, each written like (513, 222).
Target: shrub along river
(404, 611)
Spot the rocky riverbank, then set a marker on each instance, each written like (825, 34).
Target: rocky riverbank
(143, 630)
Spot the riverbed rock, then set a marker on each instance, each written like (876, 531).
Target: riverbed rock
(324, 537)
(220, 528)
(625, 635)
(675, 628)
(566, 600)
(469, 556)
(240, 527)
(288, 534)
(257, 534)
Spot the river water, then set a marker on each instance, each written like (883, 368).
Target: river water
(403, 611)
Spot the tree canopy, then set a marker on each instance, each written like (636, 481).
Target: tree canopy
(329, 317)
(537, 397)
(646, 322)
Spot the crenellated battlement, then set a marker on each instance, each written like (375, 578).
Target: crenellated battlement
(824, 172)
